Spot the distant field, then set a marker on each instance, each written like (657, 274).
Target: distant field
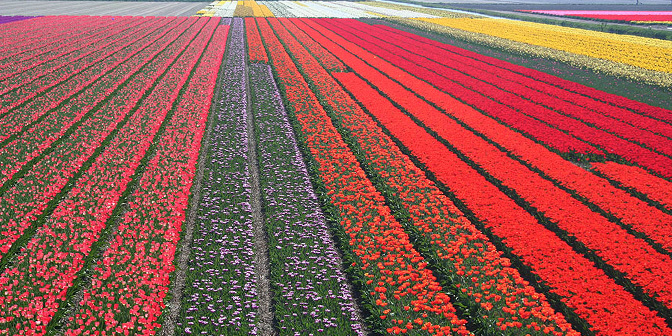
(558, 4)
(16, 7)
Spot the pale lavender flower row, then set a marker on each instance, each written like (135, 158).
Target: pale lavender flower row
(311, 294)
(220, 295)
(8, 19)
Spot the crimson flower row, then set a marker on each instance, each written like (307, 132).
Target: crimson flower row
(326, 59)
(401, 293)
(535, 129)
(639, 180)
(37, 52)
(631, 17)
(255, 48)
(37, 137)
(487, 203)
(30, 72)
(480, 275)
(16, 93)
(27, 197)
(41, 278)
(472, 91)
(612, 99)
(553, 96)
(51, 91)
(512, 93)
(569, 214)
(142, 250)
(69, 48)
(46, 26)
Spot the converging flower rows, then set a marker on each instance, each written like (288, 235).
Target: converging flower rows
(392, 183)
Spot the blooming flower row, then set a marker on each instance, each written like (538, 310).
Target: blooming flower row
(488, 203)
(328, 61)
(468, 88)
(401, 293)
(28, 196)
(68, 48)
(31, 140)
(639, 180)
(220, 294)
(29, 102)
(650, 226)
(16, 31)
(465, 254)
(255, 48)
(311, 292)
(40, 279)
(142, 250)
(25, 44)
(32, 71)
(516, 93)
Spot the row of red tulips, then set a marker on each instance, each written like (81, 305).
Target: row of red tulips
(140, 257)
(16, 93)
(25, 198)
(70, 47)
(487, 211)
(47, 268)
(255, 48)
(640, 181)
(326, 59)
(474, 89)
(536, 129)
(26, 73)
(15, 32)
(31, 102)
(565, 174)
(19, 45)
(401, 293)
(568, 214)
(33, 139)
(516, 93)
(480, 276)
(578, 106)
(572, 87)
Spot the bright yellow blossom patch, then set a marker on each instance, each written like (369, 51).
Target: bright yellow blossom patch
(642, 52)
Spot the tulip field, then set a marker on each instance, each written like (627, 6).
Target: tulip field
(635, 16)
(330, 168)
